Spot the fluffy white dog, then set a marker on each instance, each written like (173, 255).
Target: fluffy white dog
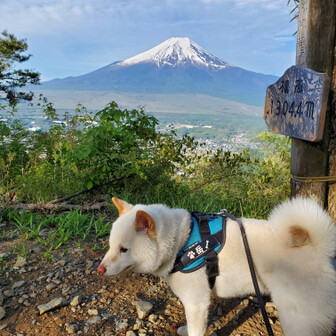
(293, 254)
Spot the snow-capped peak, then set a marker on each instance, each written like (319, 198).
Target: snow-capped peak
(177, 51)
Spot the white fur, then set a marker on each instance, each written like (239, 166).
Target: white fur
(301, 280)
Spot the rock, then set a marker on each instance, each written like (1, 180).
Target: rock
(61, 262)
(56, 281)
(42, 277)
(89, 263)
(138, 324)
(3, 326)
(93, 312)
(18, 284)
(130, 333)
(142, 332)
(20, 262)
(143, 308)
(9, 293)
(121, 325)
(2, 313)
(51, 305)
(76, 300)
(2, 299)
(65, 290)
(152, 318)
(72, 328)
(50, 287)
(93, 320)
(270, 306)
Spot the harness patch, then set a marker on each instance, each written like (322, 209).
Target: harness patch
(195, 251)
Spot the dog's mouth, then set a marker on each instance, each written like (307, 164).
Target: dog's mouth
(127, 270)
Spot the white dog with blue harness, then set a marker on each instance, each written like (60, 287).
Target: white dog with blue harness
(293, 254)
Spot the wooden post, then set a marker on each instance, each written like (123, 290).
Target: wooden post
(314, 50)
(332, 144)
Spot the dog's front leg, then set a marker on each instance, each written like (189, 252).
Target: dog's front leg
(194, 292)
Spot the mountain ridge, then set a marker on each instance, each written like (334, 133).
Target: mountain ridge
(177, 65)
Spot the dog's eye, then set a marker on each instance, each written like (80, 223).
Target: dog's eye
(123, 250)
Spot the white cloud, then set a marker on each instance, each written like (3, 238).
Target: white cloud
(85, 34)
(267, 4)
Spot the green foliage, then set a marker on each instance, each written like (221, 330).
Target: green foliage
(54, 231)
(115, 147)
(146, 165)
(11, 78)
(89, 151)
(13, 152)
(215, 180)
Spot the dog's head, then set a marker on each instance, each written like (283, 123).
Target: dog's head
(132, 241)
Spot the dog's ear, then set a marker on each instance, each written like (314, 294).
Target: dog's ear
(144, 222)
(121, 205)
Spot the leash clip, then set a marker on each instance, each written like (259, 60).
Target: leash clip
(221, 212)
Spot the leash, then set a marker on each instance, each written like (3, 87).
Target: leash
(252, 269)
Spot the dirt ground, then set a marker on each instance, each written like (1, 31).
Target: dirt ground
(90, 304)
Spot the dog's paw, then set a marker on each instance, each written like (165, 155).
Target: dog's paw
(182, 331)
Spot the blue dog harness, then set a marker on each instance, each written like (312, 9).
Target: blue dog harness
(207, 238)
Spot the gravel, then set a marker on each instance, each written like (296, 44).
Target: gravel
(56, 296)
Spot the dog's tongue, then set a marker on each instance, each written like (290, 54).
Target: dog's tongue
(101, 269)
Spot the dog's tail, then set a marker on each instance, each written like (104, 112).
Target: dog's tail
(300, 222)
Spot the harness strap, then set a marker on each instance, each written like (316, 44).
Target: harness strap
(252, 270)
(211, 261)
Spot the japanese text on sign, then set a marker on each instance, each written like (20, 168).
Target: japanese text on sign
(296, 104)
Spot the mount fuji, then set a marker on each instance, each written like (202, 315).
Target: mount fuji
(176, 66)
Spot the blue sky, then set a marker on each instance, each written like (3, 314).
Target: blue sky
(73, 37)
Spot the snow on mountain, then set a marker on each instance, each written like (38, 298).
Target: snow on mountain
(177, 51)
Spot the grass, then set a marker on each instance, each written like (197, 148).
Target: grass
(54, 231)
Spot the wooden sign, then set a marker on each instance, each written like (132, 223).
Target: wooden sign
(296, 104)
